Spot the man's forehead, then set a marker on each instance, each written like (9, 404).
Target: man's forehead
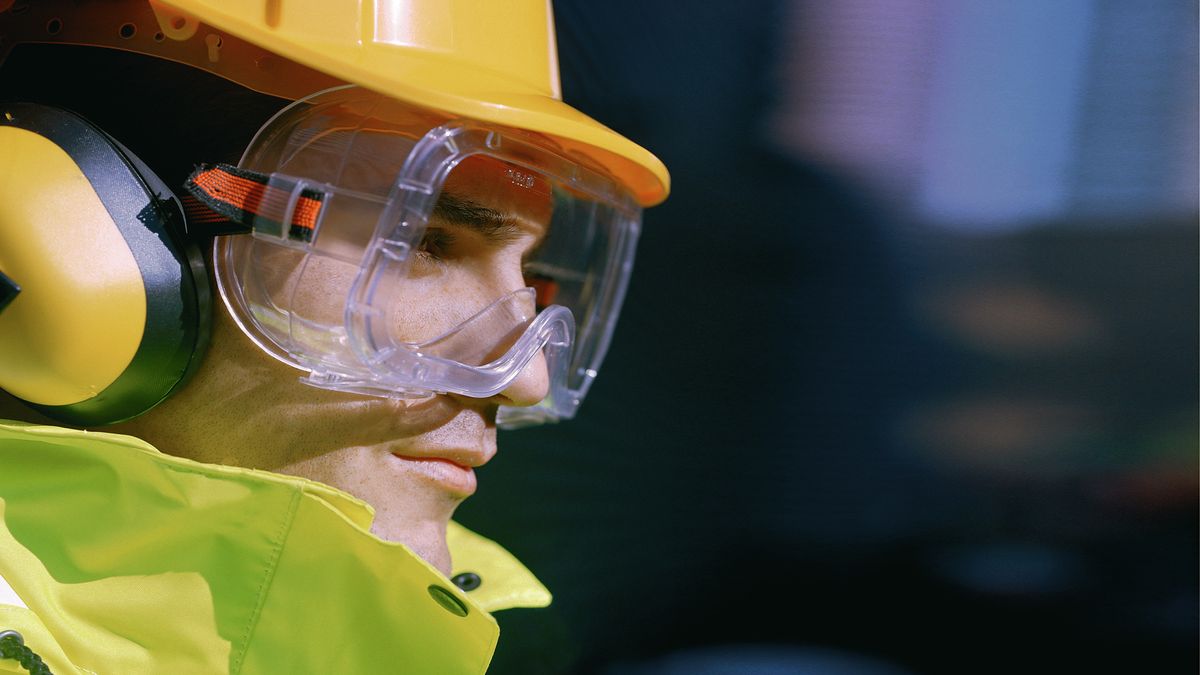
(506, 188)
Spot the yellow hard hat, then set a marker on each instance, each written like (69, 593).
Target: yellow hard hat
(491, 61)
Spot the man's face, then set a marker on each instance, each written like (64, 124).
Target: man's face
(411, 460)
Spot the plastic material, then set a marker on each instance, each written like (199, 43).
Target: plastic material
(486, 60)
(114, 307)
(410, 284)
(62, 224)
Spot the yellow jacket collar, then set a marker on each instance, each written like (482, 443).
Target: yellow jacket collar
(258, 572)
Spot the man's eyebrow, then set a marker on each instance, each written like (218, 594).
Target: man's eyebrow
(488, 222)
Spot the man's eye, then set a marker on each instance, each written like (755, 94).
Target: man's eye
(435, 245)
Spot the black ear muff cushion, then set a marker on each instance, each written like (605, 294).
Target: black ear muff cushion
(150, 219)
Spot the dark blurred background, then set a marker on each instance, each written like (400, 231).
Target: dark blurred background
(906, 380)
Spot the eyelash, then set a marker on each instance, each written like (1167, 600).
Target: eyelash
(435, 245)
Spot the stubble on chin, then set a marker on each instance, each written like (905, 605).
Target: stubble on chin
(427, 541)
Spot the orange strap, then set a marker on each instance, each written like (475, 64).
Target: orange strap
(226, 199)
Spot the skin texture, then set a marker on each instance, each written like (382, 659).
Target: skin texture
(245, 408)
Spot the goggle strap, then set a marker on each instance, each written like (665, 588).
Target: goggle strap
(201, 220)
(229, 200)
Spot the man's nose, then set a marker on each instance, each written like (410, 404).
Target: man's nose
(530, 387)
(533, 383)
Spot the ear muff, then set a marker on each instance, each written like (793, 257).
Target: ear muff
(109, 304)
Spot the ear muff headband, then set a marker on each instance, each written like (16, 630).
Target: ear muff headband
(111, 310)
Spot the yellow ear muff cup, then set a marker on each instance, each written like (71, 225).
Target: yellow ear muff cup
(109, 304)
(76, 273)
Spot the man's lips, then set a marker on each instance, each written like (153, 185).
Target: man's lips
(452, 470)
(443, 460)
(464, 459)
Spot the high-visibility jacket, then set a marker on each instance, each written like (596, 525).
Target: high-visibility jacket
(118, 559)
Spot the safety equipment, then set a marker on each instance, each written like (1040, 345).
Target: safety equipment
(399, 252)
(109, 304)
(104, 537)
(490, 61)
(464, 88)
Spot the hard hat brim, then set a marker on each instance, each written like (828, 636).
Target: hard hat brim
(437, 81)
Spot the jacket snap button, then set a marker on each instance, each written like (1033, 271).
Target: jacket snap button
(467, 581)
(447, 600)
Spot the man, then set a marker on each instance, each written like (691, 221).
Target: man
(425, 244)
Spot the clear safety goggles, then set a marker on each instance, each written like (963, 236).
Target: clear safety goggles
(399, 253)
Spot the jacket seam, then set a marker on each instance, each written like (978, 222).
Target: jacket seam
(265, 585)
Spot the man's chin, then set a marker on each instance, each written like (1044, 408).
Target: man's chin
(427, 541)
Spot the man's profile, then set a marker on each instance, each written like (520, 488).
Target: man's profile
(262, 312)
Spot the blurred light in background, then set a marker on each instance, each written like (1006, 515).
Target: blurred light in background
(999, 115)
(907, 377)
